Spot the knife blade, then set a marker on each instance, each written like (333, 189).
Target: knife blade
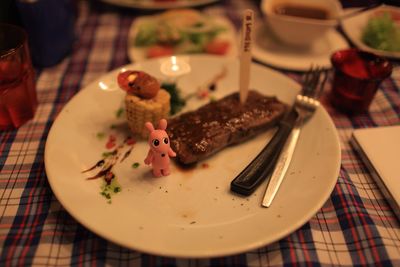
(281, 166)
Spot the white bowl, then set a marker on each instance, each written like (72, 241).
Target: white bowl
(300, 31)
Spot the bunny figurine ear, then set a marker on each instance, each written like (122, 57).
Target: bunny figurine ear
(149, 126)
(162, 125)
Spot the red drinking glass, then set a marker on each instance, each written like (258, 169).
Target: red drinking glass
(18, 99)
(357, 76)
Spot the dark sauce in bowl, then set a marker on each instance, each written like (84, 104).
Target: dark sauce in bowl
(303, 11)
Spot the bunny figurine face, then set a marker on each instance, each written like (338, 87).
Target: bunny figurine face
(159, 141)
(160, 149)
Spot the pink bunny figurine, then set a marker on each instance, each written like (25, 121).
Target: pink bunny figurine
(160, 149)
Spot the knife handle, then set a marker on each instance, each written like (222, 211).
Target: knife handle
(262, 166)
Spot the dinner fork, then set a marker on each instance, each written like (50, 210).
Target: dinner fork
(305, 105)
(263, 165)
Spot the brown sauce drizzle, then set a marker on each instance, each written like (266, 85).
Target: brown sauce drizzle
(106, 164)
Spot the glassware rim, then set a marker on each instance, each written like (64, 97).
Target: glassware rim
(7, 52)
(358, 51)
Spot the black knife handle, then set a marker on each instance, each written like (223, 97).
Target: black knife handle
(263, 165)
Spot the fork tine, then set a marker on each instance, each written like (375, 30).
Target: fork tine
(306, 80)
(313, 79)
(307, 77)
(320, 89)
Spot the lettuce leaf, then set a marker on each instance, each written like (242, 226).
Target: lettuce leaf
(147, 34)
(382, 33)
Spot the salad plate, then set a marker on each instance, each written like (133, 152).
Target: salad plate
(158, 4)
(269, 50)
(354, 26)
(205, 39)
(191, 213)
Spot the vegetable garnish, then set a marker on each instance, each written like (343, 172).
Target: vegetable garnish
(119, 112)
(382, 33)
(135, 165)
(100, 135)
(109, 190)
(177, 102)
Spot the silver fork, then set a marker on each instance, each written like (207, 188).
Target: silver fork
(305, 105)
(263, 165)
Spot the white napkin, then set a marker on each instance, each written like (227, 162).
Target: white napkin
(380, 150)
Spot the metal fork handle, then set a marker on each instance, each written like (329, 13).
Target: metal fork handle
(263, 165)
(282, 166)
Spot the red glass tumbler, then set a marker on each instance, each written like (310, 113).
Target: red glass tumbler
(357, 76)
(18, 99)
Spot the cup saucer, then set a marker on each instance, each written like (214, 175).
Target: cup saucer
(269, 50)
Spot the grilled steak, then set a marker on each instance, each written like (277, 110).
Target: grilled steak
(198, 134)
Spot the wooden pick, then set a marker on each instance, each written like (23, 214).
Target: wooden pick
(245, 54)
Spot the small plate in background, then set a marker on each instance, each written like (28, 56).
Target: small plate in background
(353, 27)
(137, 53)
(153, 4)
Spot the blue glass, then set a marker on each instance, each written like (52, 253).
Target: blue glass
(50, 28)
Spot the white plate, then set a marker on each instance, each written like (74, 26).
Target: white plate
(354, 26)
(190, 213)
(269, 50)
(151, 4)
(136, 53)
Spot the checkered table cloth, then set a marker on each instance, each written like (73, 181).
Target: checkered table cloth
(355, 227)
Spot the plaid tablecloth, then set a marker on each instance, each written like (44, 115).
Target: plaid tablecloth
(355, 227)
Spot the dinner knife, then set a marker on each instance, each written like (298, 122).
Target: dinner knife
(282, 166)
(263, 165)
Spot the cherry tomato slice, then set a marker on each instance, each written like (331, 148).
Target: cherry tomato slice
(123, 81)
(159, 51)
(217, 47)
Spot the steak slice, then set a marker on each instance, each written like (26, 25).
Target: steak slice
(198, 134)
